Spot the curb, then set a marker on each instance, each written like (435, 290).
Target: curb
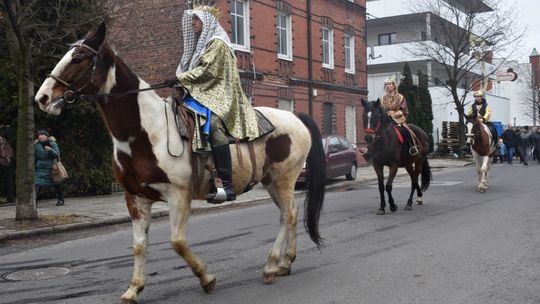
(15, 235)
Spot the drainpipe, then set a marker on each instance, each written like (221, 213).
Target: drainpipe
(310, 60)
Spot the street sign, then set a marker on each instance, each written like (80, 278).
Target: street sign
(505, 76)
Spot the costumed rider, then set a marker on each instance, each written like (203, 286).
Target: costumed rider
(480, 107)
(396, 107)
(210, 78)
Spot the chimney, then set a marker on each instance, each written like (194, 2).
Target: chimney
(534, 60)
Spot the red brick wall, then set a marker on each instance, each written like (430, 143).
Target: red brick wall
(147, 35)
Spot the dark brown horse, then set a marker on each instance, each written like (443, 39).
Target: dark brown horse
(143, 139)
(386, 150)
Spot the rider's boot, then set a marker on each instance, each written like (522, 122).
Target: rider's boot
(222, 160)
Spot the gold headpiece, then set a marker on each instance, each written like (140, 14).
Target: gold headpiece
(214, 11)
(478, 94)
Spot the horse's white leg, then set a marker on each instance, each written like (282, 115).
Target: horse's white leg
(483, 171)
(141, 216)
(179, 208)
(283, 252)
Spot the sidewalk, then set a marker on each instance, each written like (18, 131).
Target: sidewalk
(89, 212)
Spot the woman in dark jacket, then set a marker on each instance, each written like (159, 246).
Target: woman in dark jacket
(46, 153)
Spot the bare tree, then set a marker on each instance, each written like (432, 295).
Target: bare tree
(35, 31)
(460, 37)
(529, 103)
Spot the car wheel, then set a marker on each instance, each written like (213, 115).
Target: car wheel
(352, 174)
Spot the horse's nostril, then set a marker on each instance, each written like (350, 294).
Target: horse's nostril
(43, 99)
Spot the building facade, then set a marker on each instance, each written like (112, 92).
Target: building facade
(393, 31)
(301, 56)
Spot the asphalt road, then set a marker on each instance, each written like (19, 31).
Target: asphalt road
(459, 247)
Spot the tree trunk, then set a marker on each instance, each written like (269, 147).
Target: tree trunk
(20, 56)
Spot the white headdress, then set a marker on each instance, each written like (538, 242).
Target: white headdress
(195, 46)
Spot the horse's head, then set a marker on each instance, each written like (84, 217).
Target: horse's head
(372, 116)
(74, 75)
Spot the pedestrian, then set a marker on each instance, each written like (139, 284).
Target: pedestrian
(535, 138)
(6, 169)
(47, 153)
(510, 140)
(525, 145)
(500, 152)
(209, 74)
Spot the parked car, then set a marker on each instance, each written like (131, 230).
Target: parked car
(340, 159)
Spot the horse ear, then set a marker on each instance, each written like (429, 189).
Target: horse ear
(100, 33)
(377, 102)
(363, 102)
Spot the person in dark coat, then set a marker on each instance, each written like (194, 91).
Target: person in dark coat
(6, 169)
(510, 141)
(525, 145)
(47, 153)
(535, 138)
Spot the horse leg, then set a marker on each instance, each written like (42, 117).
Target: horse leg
(414, 185)
(391, 176)
(380, 180)
(179, 208)
(141, 216)
(482, 187)
(283, 252)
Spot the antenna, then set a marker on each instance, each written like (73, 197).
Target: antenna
(372, 53)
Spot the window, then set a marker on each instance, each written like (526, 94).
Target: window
(284, 35)
(327, 48)
(240, 24)
(349, 54)
(388, 38)
(285, 104)
(328, 118)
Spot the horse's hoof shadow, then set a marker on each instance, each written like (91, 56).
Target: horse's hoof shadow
(408, 207)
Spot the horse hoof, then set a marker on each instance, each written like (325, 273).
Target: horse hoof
(380, 212)
(408, 207)
(209, 287)
(283, 271)
(393, 208)
(268, 278)
(126, 301)
(419, 201)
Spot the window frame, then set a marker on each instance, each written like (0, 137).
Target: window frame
(351, 56)
(389, 36)
(245, 25)
(288, 38)
(330, 41)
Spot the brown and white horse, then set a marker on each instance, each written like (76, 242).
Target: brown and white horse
(483, 148)
(145, 166)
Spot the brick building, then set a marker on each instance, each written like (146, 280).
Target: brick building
(272, 43)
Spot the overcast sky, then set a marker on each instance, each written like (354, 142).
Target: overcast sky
(529, 17)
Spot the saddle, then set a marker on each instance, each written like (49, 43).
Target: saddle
(187, 129)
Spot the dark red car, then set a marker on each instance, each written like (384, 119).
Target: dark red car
(340, 158)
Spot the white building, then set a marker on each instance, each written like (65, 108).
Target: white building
(392, 30)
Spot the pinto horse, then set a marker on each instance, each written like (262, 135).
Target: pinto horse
(149, 172)
(386, 150)
(483, 148)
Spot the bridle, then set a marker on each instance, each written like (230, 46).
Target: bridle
(73, 94)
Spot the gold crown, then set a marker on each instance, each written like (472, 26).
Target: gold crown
(209, 8)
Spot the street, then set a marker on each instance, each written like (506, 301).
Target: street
(461, 246)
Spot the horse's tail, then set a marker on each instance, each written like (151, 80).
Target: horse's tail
(426, 175)
(315, 181)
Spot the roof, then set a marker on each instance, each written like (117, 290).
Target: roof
(470, 6)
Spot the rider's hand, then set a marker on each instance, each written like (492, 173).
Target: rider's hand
(171, 82)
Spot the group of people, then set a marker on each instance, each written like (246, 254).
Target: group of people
(520, 143)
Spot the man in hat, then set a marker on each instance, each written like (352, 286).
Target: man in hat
(395, 105)
(208, 73)
(481, 108)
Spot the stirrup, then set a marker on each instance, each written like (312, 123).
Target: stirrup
(413, 151)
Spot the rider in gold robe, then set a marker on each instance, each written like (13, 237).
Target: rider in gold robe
(396, 107)
(209, 75)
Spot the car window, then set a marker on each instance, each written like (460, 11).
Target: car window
(344, 142)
